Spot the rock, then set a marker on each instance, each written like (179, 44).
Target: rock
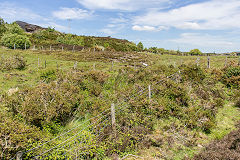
(28, 27)
(11, 91)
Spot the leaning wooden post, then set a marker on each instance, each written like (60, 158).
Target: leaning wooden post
(75, 65)
(19, 155)
(208, 62)
(73, 50)
(113, 120)
(197, 61)
(112, 65)
(94, 66)
(149, 92)
(225, 62)
(38, 63)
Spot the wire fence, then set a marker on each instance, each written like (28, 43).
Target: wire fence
(78, 141)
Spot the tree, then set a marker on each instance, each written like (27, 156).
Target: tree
(2, 27)
(195, 52)
(8, 40)
(140, 46)
(14, 28)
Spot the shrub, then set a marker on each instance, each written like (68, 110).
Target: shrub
(8, 40)
(15, 135)
(48, 75)
(2, 27)
(193, 73)
(14, 28)
(231, 76)
(14, 62)
(238, 103)
(195, 52)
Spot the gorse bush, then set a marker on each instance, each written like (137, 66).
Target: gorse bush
(9, 40)
(61, 98)
(231, 76)
(48, 75)
(15, 134)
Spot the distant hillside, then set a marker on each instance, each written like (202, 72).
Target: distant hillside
(44, 37)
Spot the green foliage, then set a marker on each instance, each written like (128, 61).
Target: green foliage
(231, 76)
(140, 46)
(195, 52)
(193, 73)
(15, 135)
(14, 28)
(10, 39)
(13, 62)
(3, 28)
(48, 75)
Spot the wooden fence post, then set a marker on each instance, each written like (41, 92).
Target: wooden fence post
(94, 66)
(25, 46)
(208, 62)
(75, 65)
(19, 155)
(45, 64)
(62, 48)
(38, 63)
(73, 50)
(112, 65)
(225, 62)
(149, 92)
(197, 61)
(50, 48)
(14, 46)
(113, 120)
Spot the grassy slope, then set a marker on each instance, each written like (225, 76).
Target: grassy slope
(86, 60)
(226, 118)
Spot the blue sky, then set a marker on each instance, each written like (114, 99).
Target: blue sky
(210, 25)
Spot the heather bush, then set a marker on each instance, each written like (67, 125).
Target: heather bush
(13, 62)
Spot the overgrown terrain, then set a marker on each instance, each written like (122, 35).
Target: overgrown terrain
(57, 104)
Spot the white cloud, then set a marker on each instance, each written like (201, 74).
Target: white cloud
(210, 15)
(148, 28)
(116, 25)
(11, 12)
(126, 5)
(108, 31)
(72, 13)
(53, 25)
(204, 40)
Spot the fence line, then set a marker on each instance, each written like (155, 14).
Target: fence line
(69, 140)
